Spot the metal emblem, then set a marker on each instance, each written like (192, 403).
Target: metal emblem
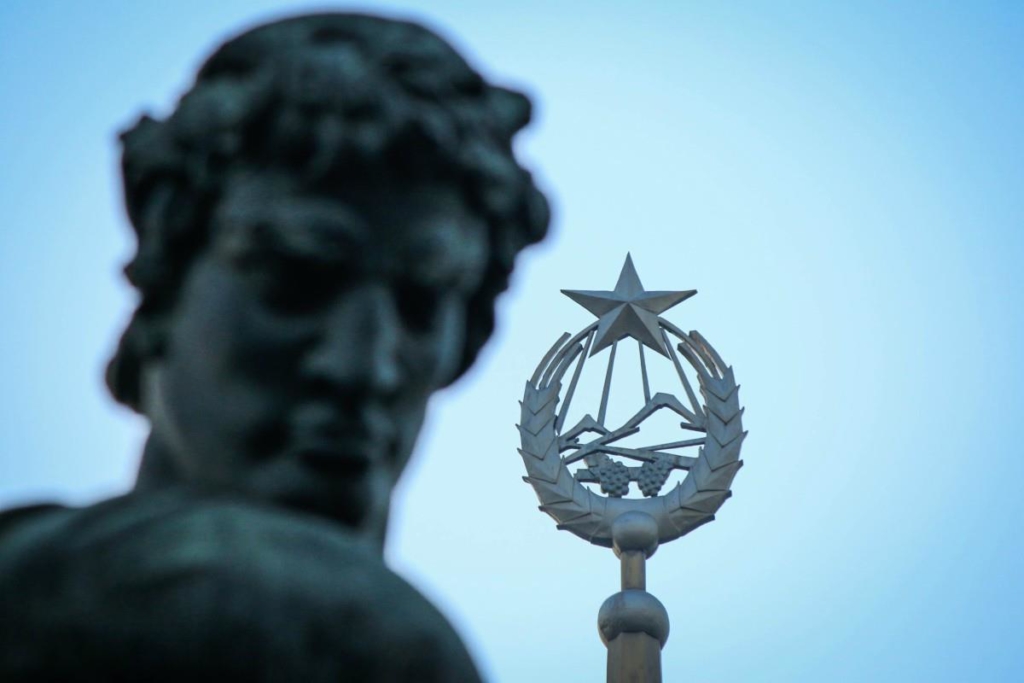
(632, 526)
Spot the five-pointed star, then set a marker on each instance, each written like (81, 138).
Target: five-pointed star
(628, 311)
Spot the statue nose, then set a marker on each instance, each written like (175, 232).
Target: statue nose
(358, 349)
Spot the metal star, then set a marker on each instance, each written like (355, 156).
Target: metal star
(628, 310)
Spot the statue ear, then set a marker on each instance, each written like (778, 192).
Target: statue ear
(512, 109)
(141, 343)
(151, 337)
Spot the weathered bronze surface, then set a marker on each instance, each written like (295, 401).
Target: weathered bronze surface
(324, 223)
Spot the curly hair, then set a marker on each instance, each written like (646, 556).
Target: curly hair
(320, 96)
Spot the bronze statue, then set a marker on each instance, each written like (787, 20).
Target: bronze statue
(324, 223)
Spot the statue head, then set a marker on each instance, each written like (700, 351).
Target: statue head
(324, 223)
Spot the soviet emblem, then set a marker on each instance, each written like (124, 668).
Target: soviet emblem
(584, 473)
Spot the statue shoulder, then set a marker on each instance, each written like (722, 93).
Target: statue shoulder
(192, 583)
(21, 528)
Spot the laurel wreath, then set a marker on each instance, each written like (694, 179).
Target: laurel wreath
(693, 502)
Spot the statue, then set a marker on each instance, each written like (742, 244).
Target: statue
(324, 223)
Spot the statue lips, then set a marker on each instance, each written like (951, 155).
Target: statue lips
(338, 447)
(346, 457)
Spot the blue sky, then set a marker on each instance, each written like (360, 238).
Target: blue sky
(841, 182)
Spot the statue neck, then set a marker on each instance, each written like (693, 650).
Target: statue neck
(156, 469)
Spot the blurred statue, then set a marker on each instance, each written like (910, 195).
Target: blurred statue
(323, 225)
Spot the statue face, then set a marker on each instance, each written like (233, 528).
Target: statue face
(308, 337)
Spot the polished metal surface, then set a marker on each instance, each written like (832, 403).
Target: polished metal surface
(633, 624)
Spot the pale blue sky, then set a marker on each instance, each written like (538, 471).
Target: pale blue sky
(844, 184)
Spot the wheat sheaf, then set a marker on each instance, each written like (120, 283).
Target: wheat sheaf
(690, 504)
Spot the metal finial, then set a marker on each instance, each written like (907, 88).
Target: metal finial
(633, 624)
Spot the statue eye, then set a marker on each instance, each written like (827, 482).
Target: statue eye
(418, 305)
(293, 287)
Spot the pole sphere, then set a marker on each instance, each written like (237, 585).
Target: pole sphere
(634, 531)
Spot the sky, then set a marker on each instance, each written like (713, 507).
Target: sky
(842, 182)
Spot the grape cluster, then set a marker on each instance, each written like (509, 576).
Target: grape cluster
(614, 477)
(653, 475)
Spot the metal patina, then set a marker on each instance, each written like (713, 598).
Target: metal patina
(324, 221)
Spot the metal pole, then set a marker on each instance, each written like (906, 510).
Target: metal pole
(633, 623)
